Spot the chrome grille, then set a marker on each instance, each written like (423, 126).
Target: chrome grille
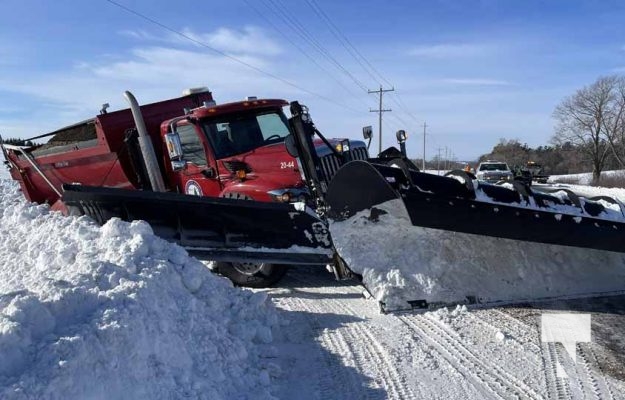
(330, 163)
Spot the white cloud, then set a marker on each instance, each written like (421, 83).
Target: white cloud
(449, 50)
(476, 82)
(249, 40)
(158, 72)
(141, 35)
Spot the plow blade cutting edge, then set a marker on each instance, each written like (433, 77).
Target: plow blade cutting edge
(421, 239)
(213, 228)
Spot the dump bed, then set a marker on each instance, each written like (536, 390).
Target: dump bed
(92, 152)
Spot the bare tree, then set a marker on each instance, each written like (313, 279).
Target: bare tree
(582, 119)
(614, 123)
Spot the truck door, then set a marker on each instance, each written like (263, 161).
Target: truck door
(199, 176)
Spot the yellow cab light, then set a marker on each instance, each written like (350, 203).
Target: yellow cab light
(241, 174)
(339, 147)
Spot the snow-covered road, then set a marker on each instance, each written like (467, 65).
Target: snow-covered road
(114, 312)
(338, 345)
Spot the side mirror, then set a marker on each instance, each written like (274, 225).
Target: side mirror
(291, 148)
(401, 136)
(178, 165)
(367, 133)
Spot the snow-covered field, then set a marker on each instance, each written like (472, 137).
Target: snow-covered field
(584, 178)
(114, 312)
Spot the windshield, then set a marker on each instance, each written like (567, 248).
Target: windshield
(494, 167)
(239, 133)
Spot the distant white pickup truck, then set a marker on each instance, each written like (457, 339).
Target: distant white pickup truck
(494, 171)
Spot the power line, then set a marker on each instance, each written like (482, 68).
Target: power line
(299, 48)
(354, 51)
(357, 55)
(226, 55)
(278, 9)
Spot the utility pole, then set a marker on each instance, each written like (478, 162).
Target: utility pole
(446, 158)
(438, 161)
(380, 110)
(424, 126)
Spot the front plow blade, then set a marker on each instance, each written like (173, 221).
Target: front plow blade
(444, 241)
(219, 229)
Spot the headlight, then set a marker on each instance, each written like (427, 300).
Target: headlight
(288, 195)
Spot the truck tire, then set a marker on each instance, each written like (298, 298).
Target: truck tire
(254, 275)
(249, 274)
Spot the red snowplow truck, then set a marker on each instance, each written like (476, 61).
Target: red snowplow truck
(224, 152)
(220, 180)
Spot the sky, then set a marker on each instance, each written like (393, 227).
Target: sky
(474, 71)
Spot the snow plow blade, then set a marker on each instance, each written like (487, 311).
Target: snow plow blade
(218, 229)
(456, 239)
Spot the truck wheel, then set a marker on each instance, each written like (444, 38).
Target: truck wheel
(249, 274)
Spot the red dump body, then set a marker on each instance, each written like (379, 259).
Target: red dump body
(92, 152)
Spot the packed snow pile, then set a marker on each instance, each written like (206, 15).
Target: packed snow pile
(112, 312)
(400, 262)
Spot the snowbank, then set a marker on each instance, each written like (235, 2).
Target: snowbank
(584, 178)
(401, 262)
(89, 312)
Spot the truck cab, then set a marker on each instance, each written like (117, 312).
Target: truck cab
(234, 150)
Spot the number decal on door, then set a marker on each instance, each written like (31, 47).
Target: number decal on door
(287, 164)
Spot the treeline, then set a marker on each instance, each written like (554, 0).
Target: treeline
(557, 159)
(17, 142)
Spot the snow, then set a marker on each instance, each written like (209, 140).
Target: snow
(400, 262)
(583, 178)
(115, 312)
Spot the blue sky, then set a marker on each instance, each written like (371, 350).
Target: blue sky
(476, 71)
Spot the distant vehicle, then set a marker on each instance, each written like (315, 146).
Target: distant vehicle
(530, 172)
(536, 170)
(494, 171)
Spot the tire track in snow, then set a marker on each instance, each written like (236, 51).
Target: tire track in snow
(484, 372)
(597, 384)
(386, 370)
(558, 387)
(366, 346)
(335, 380)
(523, 334)
(561, 385)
